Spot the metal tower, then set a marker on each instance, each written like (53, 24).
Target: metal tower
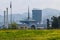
(28, 13)
(28, 10)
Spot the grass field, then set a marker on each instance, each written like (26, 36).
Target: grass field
(29, 34)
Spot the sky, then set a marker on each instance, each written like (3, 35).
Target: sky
(21, 6)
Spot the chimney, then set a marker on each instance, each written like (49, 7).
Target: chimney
(7, 17)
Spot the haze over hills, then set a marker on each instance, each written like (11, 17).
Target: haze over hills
(46, 13)
(50, 12)
(15, 18)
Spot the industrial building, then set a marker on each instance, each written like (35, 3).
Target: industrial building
(35, 21)
(31, 23)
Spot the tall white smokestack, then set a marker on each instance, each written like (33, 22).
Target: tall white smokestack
(7, 17)
(4, 18)
(11, 12)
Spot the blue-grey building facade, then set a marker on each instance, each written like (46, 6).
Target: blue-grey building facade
(37, 15)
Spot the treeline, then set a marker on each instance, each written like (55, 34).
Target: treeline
(54, 23)
(11, 26)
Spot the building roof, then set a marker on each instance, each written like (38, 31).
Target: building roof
(28, 20)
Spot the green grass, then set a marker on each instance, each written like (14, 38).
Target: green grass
(30, 34)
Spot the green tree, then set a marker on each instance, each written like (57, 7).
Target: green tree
(48, 24)
(59, 21)
(13, 26)
(55, 24)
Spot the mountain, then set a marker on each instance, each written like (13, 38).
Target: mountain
(1, 18)
(15, 17)
(48, 13)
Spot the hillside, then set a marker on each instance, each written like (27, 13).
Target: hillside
(48, 13)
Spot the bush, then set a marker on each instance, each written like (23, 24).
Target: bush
(13, 26)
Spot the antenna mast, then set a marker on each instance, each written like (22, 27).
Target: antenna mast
(28, 11)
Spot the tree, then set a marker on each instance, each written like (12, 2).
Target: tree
(59, 21)
(48, 24)
(55, 24)
(13, 26)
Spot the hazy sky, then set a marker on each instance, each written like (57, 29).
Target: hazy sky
(21, 6)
